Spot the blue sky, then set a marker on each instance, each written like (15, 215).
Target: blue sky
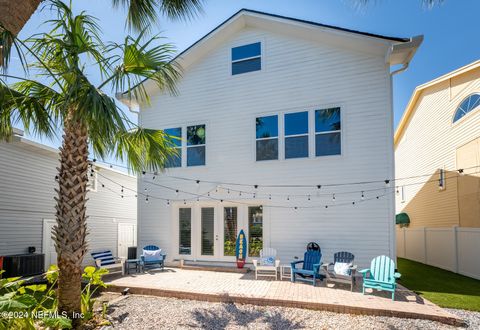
(451, 34)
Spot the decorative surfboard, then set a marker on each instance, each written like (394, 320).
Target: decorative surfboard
(241, 249)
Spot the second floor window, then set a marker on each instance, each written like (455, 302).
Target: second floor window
(328, 140)
(196, 145)
(266, 138)
(246, 58)
(296, 135)
(176, 136)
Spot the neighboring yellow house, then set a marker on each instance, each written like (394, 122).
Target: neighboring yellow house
(439, 134)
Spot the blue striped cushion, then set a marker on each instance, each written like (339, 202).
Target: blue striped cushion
(105, 257)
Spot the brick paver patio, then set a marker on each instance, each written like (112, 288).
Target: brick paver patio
(243, 288)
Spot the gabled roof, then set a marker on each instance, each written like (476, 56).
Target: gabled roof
(410, 109)
(248, 17)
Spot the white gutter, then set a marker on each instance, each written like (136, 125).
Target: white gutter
(410, 48)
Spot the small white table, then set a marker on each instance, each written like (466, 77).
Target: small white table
(285, 272)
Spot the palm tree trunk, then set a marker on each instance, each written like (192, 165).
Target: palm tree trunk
(14, 15)
(71, 229)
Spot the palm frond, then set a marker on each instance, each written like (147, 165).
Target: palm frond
(8, 44)
(139, 63)
(30, 103)
(142, 14)
(144, 149)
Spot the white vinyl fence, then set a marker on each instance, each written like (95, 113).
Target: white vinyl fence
(456, 248)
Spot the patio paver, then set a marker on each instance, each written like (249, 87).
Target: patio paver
(243, 288)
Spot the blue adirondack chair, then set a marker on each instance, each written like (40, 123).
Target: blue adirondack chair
(310, 267)
(381, 275)
(147, 262)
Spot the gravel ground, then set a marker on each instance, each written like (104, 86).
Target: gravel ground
(142, 312)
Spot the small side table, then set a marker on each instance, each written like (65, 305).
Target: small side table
(135, 262)
(285, 272)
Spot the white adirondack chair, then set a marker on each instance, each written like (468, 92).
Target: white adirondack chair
(267, 264)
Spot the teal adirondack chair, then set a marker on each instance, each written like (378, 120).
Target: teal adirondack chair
(381, 275)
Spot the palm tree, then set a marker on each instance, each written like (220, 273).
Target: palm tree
(140, 14)
(61, 95)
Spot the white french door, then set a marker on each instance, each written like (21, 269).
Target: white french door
(208, 231)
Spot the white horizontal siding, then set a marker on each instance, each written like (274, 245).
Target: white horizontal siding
(27, 197)
(296, 75)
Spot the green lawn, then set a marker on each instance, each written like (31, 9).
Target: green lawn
(441, 287)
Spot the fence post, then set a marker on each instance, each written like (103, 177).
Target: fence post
(425, 259)
(455, 248)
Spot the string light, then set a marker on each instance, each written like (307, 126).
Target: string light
(319, 186)
(168, 202)
(176, 192)
(387, 183)
(309, 197)
(146, 199)
(274, 206)
(461, 172)
(270, 197)
(184, 202)
(363, 196)
(333, 198)
(197, 182)
(288, 198)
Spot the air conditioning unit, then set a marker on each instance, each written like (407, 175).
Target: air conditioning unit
(27, 264)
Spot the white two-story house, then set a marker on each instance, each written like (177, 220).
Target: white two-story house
(286, 132)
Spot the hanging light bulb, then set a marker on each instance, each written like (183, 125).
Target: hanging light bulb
(103, 186)
(326, 206)
(216, 189)
(288, 198)
(353, 203)
(309, 198)
(398, 191)
(176, 192)
(122, 190)
(461, 171)
(295, 208)
(198, 199)
(154, 175)
(319, 186)
(228, 191)
(208, 194)
(363, 195)
(146, 199)
(136, 195)
(145, 189)
(184, 202)
(143, 173)
(197, 182)
(221, 201)
(56, 177)
(254, 195)
(333, 198)
(240, 193)
(270, 197)
(255, 186)
(387, 183)
(168, 202)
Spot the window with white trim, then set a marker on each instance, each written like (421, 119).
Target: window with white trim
(247, 58)
(196, 145)
(266, 137)
(328, 139)
(296, 134)
(175, 134)
(469, 104)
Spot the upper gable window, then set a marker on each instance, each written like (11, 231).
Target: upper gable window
(247, 58)
(469, 104)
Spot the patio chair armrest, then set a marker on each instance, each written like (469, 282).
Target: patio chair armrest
(98, 263)
(292, 264)
(277, 263)
(255, 263)
(353, 270)
(316, 268)
(365, 272)
(397, 275)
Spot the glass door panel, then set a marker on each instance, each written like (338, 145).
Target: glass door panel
(185, 231)
(207, 231)
(255, 230)
(229, 230)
